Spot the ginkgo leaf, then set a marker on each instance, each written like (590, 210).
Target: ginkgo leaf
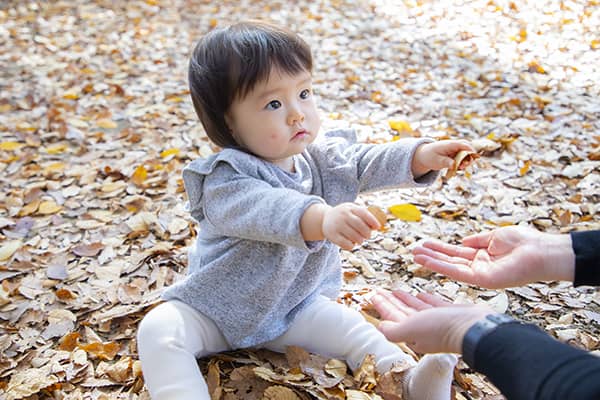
(526, 165)
(55, 167)
(406, 212)
(56, 149)
(49, 207)
(169, 152)
(30, 208)
(139, 175)
(10, 146)
(400, 125)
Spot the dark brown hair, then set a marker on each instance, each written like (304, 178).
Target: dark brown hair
(228, 62)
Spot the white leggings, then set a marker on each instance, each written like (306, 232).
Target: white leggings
(173, 335)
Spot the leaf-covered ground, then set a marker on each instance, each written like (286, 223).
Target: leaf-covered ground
(96, 126)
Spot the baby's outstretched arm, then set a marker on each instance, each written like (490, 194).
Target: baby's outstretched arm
(438, 155)
(346, 224)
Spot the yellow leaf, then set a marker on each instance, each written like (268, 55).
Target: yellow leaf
(25, 127)
(175, 99)
(376, 96)
(406, 212)
(54, 167)
(48, 207)
(106, 124)
(595, 44)
(523, 170)
(169, 152)
(30, 208)
(10, 146)
(139, 175)
(71, 96)
(8, 249)
(535, 66)
(56, 149)
(400, 125)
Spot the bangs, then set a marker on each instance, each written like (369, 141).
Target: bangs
(257, 51)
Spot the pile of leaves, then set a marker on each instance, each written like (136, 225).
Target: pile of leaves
(96, 126)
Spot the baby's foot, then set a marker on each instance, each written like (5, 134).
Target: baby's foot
(431, 378)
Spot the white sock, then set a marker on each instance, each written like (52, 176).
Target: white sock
(431, 378)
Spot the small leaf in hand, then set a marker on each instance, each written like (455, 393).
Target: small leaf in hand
(380, 215)
(461, 161)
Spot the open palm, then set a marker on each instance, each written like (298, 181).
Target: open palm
(505, 257)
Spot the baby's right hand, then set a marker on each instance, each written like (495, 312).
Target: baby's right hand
(348, 224)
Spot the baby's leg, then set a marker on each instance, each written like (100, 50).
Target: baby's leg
(334, 330)
(170, 338)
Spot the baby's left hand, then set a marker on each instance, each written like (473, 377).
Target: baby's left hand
(437, 155)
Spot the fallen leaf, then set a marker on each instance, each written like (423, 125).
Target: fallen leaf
(9, 248)
(406, 212)
(88, 250)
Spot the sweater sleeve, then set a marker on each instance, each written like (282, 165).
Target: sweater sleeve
(389, 165)
(349, 168)
(586, 245)
(525, 363)
(241, 206)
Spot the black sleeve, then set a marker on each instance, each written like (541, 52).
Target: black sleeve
(586, 245)
(525, 363)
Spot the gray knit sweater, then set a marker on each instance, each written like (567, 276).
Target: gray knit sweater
(250, 269)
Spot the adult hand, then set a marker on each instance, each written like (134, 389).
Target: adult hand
(426, 323)
(348, 224)
(505, 257)
(438, 155)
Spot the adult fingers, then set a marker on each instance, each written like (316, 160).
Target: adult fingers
(479, 240)
(433, 300)
(461, 273)
(410, 300)
(387, 310)
(449, 249)
(442, 256)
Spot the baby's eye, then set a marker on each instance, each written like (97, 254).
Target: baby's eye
(273, 105)
(305, 94)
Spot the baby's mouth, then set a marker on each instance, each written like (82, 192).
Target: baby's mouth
(300, 134)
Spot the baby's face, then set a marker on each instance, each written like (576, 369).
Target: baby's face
(277, 119)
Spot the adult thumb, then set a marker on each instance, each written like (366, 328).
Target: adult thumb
(394, 331)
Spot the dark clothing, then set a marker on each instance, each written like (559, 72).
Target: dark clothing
(586, 245)
(538, 366)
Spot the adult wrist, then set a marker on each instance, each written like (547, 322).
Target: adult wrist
(559, 257)
(480, 330)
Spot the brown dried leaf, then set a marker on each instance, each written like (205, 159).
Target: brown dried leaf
(279, 393)
(102, 351)
(366, 374)
(461, 161)
(87, 250)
